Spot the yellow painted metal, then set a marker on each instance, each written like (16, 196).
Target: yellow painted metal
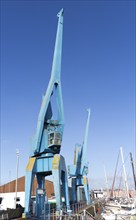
(85, 180)
(56, 162)
(30, 164)
(75, 155)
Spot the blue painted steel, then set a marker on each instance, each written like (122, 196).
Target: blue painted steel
(45, 159)
(79, 170)
(60, 176)
(46, 113)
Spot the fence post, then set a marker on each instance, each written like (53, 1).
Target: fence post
(84, 214)
(49, 213)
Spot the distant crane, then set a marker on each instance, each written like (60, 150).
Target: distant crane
(78, 172)
(45, 159)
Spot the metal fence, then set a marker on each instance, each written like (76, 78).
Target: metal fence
(77, 212)
(72, 217)
(77, 207)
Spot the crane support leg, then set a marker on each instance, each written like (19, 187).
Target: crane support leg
(78, 194)
(86, 189)
(28, 183)
(40, 194)
(74, 190)
(59, 173)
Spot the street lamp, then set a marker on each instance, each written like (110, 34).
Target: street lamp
(9, 179)
(17, 163)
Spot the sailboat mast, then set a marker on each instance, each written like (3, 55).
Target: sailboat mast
(111, 195)
(133, 169)
(106, 181)
(124, 170)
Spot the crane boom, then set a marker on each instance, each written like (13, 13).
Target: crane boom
(45, 113)
(84, 145)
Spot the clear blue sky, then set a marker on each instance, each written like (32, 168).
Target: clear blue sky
(98, 71)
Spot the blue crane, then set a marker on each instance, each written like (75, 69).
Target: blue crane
(45, 158)
(79, 170)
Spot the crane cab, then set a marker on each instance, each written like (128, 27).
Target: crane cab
(54, 136)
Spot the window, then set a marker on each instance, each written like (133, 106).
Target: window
(1, 200)
(17, 199)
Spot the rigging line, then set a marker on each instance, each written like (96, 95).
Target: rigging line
(124, 163)
(120, 184)
(111, 195)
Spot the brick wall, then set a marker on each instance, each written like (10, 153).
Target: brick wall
(10, 187)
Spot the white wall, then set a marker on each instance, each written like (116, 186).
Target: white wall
(8, 200)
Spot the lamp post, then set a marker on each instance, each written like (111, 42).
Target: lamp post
(9, 179)
(17, 163)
